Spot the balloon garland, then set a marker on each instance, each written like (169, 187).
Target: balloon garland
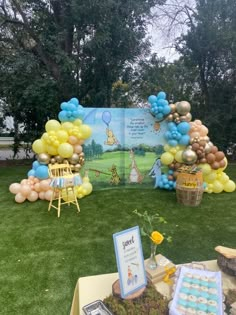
(187, 142)
(61, 142)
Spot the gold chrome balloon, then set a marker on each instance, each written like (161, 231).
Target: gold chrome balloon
(58, 158)
(188, 117)
(183, 107)
(173, 108)
(74, 159)
(189, 156)
(44, 158)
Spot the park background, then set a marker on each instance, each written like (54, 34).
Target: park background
(100, 52)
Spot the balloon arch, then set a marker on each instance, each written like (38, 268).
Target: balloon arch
(186, 142)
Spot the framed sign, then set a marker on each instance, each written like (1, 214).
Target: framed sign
(130, 262)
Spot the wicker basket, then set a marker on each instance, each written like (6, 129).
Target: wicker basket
(227, 265)
(189, 197)
(189, 189)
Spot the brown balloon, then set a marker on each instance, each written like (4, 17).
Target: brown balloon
(214, 149)
(219, 156)
(195, 146)
(210, 158)
(222, 163)
(202, 143)
(175, 174)
(215, 165)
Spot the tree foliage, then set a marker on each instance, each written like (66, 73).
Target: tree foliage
(54, 50)
(209, 47)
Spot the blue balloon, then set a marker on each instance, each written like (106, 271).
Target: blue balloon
(166, 109)
(172, 143)
(35, 165)
(161, 95)
(161, 102)
(152, 99)
(62, 116)
(71, 107)
(74, 101)
(63, 105)
(185, 139)
(172, 126)
(183, 127)
(31, 173)
(42, 172)
(159, 116)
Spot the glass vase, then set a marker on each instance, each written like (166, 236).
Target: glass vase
(152, 262)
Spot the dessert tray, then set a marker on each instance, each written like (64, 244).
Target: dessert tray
(197, 291)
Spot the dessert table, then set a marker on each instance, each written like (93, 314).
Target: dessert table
(89, 289)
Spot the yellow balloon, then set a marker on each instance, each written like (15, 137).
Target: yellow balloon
(178, 156)
(229, 186)
(210, 178)
(85, 179)
(217, 187)
(85, 131)
(173, 150)
(67, 195)
(67, 126)
(166, 147)
(52, 150)
(62, 136)
(167, 158)
(65, 150)
(77, 122)
(205, 167)
(52, 125)
(87, 188)
(39, 146)
(223, 178)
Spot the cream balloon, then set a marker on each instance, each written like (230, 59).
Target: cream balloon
(15, 188)
(19, 198)
(33, 196)
(25, 190)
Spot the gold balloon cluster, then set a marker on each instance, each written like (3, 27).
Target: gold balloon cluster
(76, 160)
(180, 111)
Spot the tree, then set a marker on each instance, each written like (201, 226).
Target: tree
(209, 48)
(54, 50)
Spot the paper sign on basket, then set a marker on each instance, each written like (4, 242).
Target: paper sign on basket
(130, 262)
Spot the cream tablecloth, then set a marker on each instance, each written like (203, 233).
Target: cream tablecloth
(89, 289)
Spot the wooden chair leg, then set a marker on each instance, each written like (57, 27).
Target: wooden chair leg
(59, 205)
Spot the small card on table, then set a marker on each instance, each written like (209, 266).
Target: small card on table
(130, 262)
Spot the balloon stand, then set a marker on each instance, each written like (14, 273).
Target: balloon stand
(189, 188)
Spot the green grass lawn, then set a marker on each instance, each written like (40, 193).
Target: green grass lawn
(43, 256)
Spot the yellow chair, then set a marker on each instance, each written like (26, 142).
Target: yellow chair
(63, 183)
